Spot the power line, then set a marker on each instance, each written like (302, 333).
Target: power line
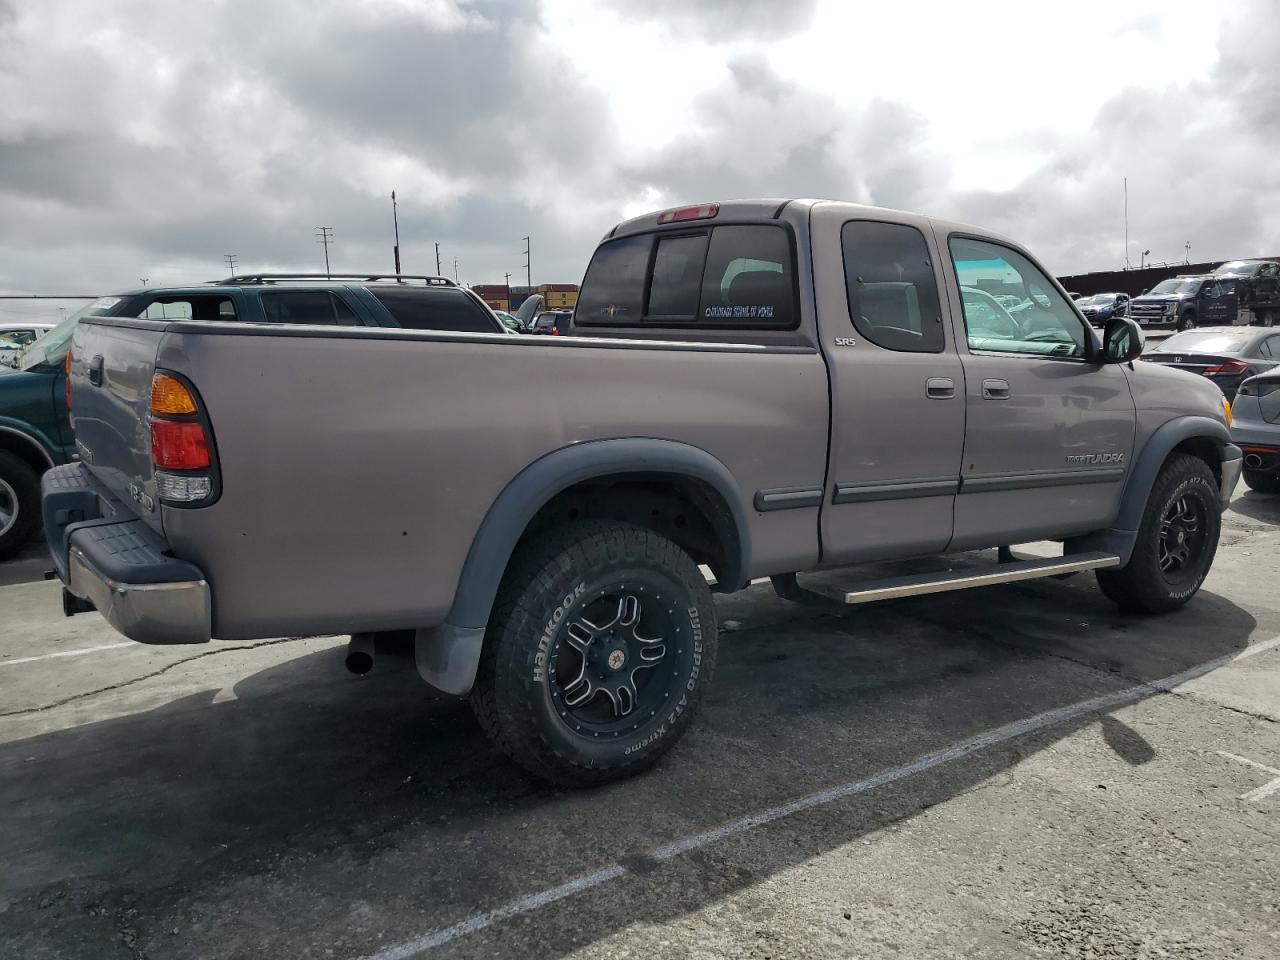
(325, 235)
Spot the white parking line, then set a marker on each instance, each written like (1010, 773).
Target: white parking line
(534, 901)
(67, 653)
(1264, 791)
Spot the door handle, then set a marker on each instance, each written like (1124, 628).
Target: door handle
(995, 389)
(939, 388)
(95, 371)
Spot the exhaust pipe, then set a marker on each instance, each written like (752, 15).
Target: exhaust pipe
(360, 653)
(1252, 461)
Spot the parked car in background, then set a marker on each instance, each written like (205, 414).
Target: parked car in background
(1226, 355)
(35, 431)
(15, 336)
(1256, 430)
(552, 322)
(1255, 284)
(1185, 302)
(1101, 307)
(795, 386)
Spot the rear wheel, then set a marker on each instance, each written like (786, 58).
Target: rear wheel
(601, 644)
(19, 503)
(1176, 542)
(1262, 481)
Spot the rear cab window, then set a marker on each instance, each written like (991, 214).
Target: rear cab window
(419, 308)
(730, 275)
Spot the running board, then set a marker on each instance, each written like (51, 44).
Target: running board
(920, 584)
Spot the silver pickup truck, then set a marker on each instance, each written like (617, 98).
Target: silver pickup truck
(755, 388)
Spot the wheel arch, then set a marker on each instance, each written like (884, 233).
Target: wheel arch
(689, 471)
(1202, 437)
(22, 444)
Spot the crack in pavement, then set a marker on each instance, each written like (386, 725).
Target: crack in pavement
(26, 711)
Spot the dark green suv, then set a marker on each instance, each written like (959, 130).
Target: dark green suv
(35, 430)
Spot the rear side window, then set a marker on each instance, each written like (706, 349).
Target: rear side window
(416, 308)
(180, 307)
(726, 276)
(307, 306)
(893, 293)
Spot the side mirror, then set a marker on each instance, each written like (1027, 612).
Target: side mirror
(1122, 340)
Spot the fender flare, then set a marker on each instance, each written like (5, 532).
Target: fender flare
(1123, 533)
(447, 655)
(30, 439)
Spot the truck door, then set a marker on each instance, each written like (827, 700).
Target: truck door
(1049, 430)
(897, 387)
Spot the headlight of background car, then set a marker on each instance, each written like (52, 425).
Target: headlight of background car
(1170, 307)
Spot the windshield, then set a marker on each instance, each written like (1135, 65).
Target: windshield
(1202, 341)
(1238, 268)
(1098, 300)
(1176, 286)
(52, 347)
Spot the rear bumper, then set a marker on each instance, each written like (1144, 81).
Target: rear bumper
(106, 556)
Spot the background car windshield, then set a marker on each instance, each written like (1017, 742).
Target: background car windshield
(52, 347)
(1176, 286)
(1238, 269)
(1098, 300)
(1201, 341)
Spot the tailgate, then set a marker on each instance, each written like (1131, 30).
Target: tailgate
(112, 362)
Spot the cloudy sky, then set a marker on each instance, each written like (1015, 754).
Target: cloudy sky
(147, 139)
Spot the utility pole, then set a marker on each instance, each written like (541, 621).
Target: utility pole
(395, 219)
(231, 262)
(528, 270)
(144, 282)
(438, 273)
(507, 276)
(1187, 255)
(455, 269)
(325, 235)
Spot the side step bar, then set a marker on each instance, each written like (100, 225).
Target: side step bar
(919, 584)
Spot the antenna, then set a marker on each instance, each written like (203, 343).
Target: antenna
(325, 235)
(396, 221)
(1127, 262)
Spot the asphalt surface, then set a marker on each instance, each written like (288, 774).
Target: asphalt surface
(1019, 771)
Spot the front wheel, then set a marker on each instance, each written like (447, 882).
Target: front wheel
(602, 641)
(19, 503)
(1262, 481)
(1187, 321)
(1176, 543)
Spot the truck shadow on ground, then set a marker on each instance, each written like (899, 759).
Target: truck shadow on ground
(1258, 506)
(318, 812)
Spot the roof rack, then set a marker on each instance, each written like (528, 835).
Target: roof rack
(265, 278)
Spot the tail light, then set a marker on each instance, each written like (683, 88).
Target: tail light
(1229, 367)
(182, 450)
